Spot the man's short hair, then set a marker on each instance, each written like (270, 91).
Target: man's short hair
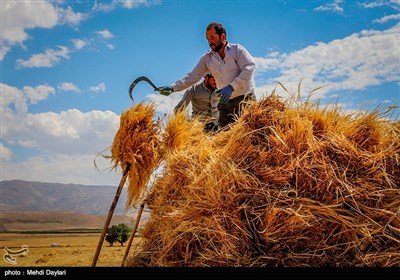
(218, 27)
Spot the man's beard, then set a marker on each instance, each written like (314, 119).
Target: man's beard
(217, 47)
(210, 87)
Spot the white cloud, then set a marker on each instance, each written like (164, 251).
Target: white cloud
(67, 132)
(68, 16)
(12, 97)
(66, 86)
(52, 57)
(38, 93)
(69, 142)
(136, 3)
(99, 88)
(371, 5)
(51, 125)
(79, 43)
(358, 61)
(103, 7)
(110, 46)
(64, 169)
(331, 7)
(387, 18)
(129, 4)
(270, 62)
(27, 143)
(77, 132)
(395, 4)
(105, 34)
(19, 16)
(5, 153)
(47, 59)
(4, 49)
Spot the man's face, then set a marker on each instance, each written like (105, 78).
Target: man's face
(214, 41)
(210, 83)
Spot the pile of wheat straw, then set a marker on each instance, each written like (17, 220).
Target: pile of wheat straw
(290, 184)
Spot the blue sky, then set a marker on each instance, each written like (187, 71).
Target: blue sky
(66, 67)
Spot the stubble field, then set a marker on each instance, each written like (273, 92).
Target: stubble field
(58, 250)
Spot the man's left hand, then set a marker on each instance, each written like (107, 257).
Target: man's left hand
(225, 94)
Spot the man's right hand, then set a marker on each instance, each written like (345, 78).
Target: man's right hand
(166, 90)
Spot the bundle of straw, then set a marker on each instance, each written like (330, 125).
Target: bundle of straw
(136, 144)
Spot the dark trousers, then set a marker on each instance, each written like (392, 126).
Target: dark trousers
(228, 113)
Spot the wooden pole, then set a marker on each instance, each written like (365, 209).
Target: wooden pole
(135, 226)
(110, 214)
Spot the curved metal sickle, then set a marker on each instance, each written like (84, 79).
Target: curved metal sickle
(137, 80)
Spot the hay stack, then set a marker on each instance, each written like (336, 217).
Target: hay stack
(287, 185)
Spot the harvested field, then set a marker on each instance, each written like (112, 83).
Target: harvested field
(61, 250)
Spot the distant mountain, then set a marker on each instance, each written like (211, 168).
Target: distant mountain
(28, 196)
(38, 206)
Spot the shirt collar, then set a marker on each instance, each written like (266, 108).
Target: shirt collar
(228, 46)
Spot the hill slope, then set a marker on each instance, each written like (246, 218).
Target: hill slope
(28, 196)
(39, 206)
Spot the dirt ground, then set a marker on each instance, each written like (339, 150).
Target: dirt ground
(69, 250)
